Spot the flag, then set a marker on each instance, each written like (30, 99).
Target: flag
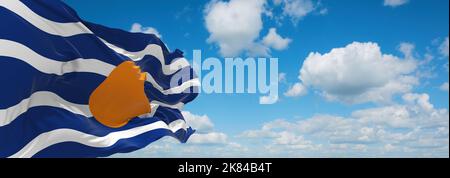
(52, 61)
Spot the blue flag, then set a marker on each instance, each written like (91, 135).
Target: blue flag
(51, 61)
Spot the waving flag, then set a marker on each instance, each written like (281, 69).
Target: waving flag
(55, 69)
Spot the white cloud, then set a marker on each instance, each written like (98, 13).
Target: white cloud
(444, 87)
(169, 147)
(359, 73)
(282, 78)
(417, 112)
(205, 133)
(323, 11)
(415, 126)
(274, 40)
(389, 147)
(208, 138)
(136, 27)
(407, 49)
(395, 3)
(421, 100)
(283, 138)
(443, 48)
(258, 49)
(266, 130)
(296, 90)
(204, 130)
(199, 123)
(277, 2)
(292, 141)
(205, 142)
(257, 134)
(393, 116)
(297, 9)
(234, 25)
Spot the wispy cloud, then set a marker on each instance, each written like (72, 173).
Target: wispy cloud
(137, 27)
(395, 3)
(444, 87)
(298, 89)
(443, 48)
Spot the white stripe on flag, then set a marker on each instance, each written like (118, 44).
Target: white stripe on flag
(47, 139)
(51, 27)
(154, 50)
(46, 98)
(49, 66)
(71, 29)
(42, 98)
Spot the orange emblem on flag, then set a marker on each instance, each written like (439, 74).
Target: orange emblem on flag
(120, 97)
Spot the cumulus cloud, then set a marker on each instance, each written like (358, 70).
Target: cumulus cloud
(205, 133)
(407, 49)
(297, 89)
(416, 126)
(274, 40)
(443, 48)
(292, 141)
(411, 128)
(422, 100)
(444, 87)
(234, 25)
(208, 138)
(395, 3)
(205, 142)
(136, 27)
(297, 9)
(199, 123)
(169, 147)
(359, 73)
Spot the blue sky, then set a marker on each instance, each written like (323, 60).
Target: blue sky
(400, 114)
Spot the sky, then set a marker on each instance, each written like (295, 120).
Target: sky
(356, 78)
